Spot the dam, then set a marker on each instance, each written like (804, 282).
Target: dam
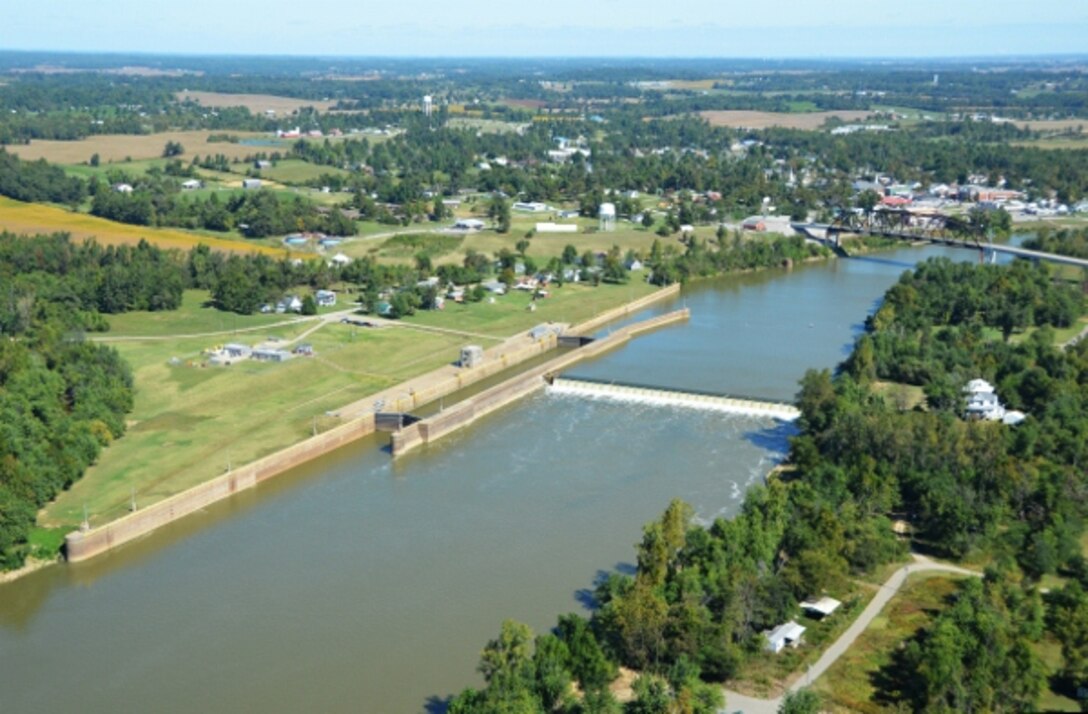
(687, 399)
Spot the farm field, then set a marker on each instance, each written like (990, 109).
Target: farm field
(743, 119)
(255, 103)
(118, 147)
(29, 218)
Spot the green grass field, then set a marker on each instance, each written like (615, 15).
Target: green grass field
(190, 420)
(195, 316)
(297, 171)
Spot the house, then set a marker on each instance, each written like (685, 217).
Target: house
(191, 185)
(122, 188)
(251, 184)
(341, 260)
(262, 164)
(325, 298)
(634, 264)
(783, 636)
(530, 206)
(895, 201)
(754, 223)
(471, 356)
(820, 608)
(291, 303)
(494, 286)
(468, 224)
(269, 355)
(305, 349)
(982, 401)
(687, 228)
(236, 351)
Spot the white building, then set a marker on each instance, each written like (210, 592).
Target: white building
(820, 608)
(786, 635)
(530, 206)
(983, 403)
(468, 224)
(556, 228)
(325, 298)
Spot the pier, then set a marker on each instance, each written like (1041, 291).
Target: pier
(644, 394)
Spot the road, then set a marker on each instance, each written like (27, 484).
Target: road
(737, 702)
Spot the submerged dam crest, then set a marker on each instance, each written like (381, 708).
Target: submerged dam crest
(655, 396)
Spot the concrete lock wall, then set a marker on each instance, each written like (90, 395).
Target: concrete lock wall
(467, 412)
(359, 422)
(625, 310)
(81, 545)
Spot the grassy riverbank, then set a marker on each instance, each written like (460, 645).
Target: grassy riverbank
(191, 420)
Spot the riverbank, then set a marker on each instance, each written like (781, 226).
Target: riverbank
(357, 422)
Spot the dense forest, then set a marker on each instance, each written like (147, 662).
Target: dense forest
(693, 613)
(62, 399)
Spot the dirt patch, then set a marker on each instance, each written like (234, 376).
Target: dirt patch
(256, 103)
(743, 119)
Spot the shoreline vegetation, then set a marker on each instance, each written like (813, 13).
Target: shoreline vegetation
(691, 619)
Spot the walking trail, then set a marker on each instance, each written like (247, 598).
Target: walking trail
(737, 702)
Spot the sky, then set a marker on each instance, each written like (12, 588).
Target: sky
(483, 28)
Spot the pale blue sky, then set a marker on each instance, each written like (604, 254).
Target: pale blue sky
(690, 28)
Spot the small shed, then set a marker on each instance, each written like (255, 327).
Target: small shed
(325, 298)
(820, 608)
(251, 184)
(783, 636)
(471, 356)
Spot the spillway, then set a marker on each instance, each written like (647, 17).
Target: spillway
(617, 391)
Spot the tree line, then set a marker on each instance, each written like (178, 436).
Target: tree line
(693, 614)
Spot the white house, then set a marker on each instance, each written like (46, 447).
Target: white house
(786, 635)
(530, 206)
(982, 401)
(251, 184)
(325, 298)
(122, 188)
(191, 185)
(556, 228)
(341, 259)
(469, 224)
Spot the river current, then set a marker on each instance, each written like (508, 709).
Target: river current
(357, 584)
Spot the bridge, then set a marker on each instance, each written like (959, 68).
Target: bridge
(918, 226)
(691, 399)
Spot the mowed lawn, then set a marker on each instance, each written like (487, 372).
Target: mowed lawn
(196, 316)
(191, 420)
(30, 218)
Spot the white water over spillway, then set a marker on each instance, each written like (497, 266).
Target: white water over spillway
(673, 398)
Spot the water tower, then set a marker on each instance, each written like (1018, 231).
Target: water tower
(607, 214)
(428, 105)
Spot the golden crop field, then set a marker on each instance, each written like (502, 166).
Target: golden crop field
(743, 119)
(256, 103)
(29, 218)
(1055, 125)
(118, 147)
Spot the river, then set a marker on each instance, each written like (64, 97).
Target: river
(357, 584)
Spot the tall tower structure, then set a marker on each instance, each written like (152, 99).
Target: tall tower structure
(607, 214)
(428, 105)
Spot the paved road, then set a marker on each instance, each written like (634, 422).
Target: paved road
(737, 702)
